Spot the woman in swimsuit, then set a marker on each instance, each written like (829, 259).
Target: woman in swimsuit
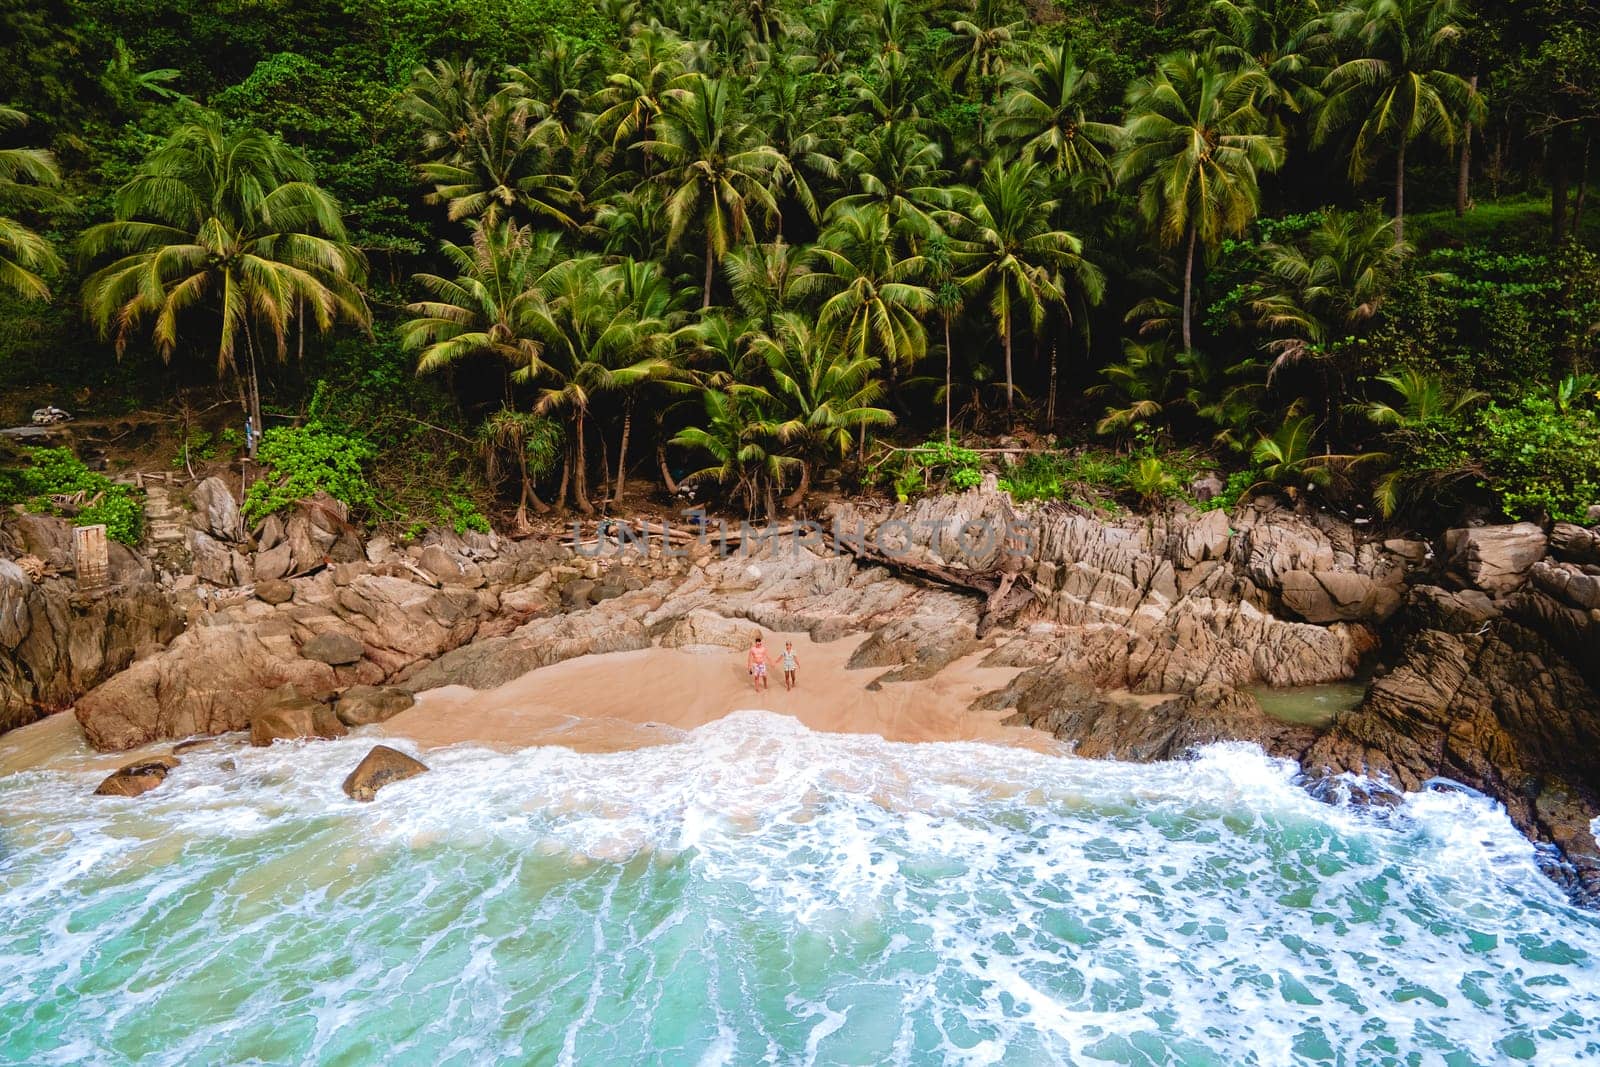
(789, 665)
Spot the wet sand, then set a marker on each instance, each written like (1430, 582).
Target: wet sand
(651, 696)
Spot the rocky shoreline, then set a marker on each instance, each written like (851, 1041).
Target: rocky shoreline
(1481, 644)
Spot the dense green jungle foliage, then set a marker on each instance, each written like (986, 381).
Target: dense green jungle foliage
(449, 252)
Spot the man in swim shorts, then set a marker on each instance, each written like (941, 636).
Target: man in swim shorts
(790, 664)
(755, 662)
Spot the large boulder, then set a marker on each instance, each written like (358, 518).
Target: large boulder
(440, 563)
(216, 512)
(920, 646)
(287, 715)
(274, 591)
(380, 767)
(275, 562)
(363, 705)
(334, 649)
(1496, 559)
(137, 778)
(213, 561)
(1575, 544)
(1335, 596)
(707, 628)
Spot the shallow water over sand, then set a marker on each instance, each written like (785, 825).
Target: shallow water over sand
(757, 892)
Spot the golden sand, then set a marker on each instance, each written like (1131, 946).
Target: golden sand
(629, 699)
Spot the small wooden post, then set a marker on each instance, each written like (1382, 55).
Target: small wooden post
(90, 556)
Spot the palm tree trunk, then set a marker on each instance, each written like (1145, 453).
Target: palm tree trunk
(622, 447)
(1188, 290)
(566, 476)
(254, 390)
(711, 260)
(1011, 401)
(522, 472)
(1400, 194)
(1050, 401)
(666, 472)
(580, 478)
(947, 370)
(1464, 168)
(793, 499)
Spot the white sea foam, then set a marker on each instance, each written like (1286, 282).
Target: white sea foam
(759, 892)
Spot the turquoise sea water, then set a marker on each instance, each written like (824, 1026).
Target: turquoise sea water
(762, 894)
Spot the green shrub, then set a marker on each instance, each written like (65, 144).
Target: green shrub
(302, 460)
(54, 472)
(1539, 460)
(461, 513)
(932, 466)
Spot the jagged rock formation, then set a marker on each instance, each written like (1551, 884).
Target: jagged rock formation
(1139, 637)
(57, 643)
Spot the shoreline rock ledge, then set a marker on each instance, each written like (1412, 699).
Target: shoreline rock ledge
(1483, 646)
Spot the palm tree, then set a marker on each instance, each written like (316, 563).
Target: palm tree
(445, 100)
(595, 342)
(716, 167)
(491, 305)
(1043, 112)
(939, 270)
(898, 169)
(634, 96)
(1394, 89)
(892, 23)
(831, 32)
(1280, 38)
(799, 132)
(557, 86)
(1194, 146)
(824, 394)
(656, 308)
(536, 443)
(503, 168)
(741, 447)
(889, 90)
(233, 222)
(28, 177)
(763, 279)
(978, 45)
(1327, 285)
(872, 305)
(1011, 252)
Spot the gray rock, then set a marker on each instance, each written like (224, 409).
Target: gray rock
(1496, 559)
(274, 563)
(439, 563)
(216, 512)
(334, 649)
(213, 561)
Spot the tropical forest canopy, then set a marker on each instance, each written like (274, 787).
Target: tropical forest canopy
(454, 254)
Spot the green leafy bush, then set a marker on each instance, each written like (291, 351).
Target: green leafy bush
(302, 460)
(1538, 459)
(53, 472)
(931, 466)
(461, 513)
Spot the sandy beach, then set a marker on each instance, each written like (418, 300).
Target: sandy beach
(629, 699)
(623, 700)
